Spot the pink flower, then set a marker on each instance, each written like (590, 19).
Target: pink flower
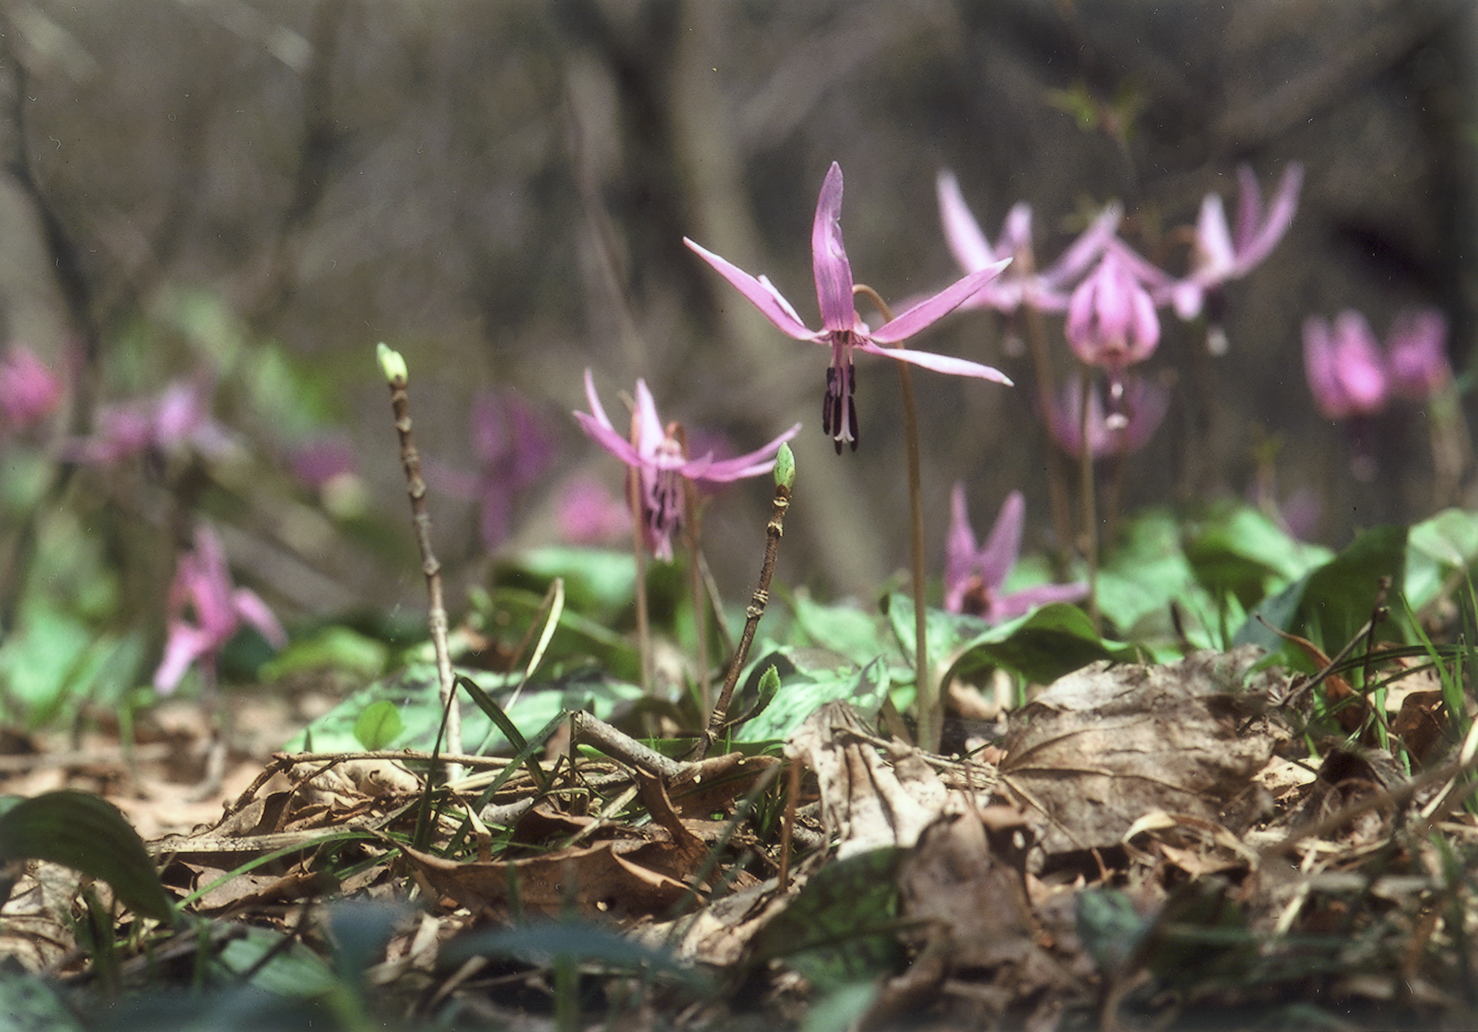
(587, 513)
(179, 417)
(842, 330)
(974, 576)
(1345, 366)
(1141, 406)
(1021, 284)
(29, 390)
(1111, 320)
(1416, 349)
(513, 446)
(202, 588)
(1222, 255)
(657, 457)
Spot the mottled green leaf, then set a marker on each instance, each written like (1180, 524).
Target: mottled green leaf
(842, 926)
(87, 833)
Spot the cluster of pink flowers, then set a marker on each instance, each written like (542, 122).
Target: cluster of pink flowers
(1351, 375)
(1111, 296)
(1108, 294)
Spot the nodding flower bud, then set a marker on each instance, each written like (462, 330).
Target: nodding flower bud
(1111, 320)
(392, 364)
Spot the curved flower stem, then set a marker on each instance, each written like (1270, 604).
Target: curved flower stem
(1090, 509)
(929, 705)
(1057, 478)
(692, 536)
(638, 551)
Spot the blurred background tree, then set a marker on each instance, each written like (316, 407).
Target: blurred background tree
(263, 190)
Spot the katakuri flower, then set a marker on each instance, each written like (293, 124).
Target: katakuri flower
(842, 329)
(514, 448)
(202, 588)
(1416, 350)
(1111, 320)
(974, 576)
(178, 418)
(1141, 407)
(1021, 284)
(1345, 366)
(29, 390)
(657, 457)
(1222, 254)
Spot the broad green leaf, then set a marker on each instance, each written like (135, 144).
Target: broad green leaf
(31, 1004)
(1109, 926)
(575, 940)
(52, 661)
(337, 648)
(378, 725)
(1143, 574)
(1436, 547)
(416, 696)
(87, 833)
(842, 926)
(1240, 551)
(844, 629)
(1041, 646)
(580, 636)
(801, 694)
(1331, 603)
(596, 580)
(948, 632)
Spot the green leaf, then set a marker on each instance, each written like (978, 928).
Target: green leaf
(337, 648)
(1143, 574)
(587, 943)
(378, 725)
(1041, 646)
(81, 831)
(843, 629)
(1436, 547)
(1238, 550)
(842, 926)
(1331, 603)
(948, 632)
(31, 1004)
(416, 695)
(801, 694)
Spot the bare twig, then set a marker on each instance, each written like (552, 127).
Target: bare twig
(396, 375)
(784, 480)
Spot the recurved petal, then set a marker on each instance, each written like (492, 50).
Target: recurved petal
(962, 233)
(998, 557)
(1255, 244)
(1022, 602)
(930, 310)
(609, 439)
(938, 363)
(766, 299)
(648, 423)
(250, 607)
(959, 550)
(751, 464)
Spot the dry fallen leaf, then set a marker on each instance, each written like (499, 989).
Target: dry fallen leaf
(1104, 746)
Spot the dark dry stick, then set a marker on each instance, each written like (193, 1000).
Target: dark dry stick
(396, 376)
(784, 477)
